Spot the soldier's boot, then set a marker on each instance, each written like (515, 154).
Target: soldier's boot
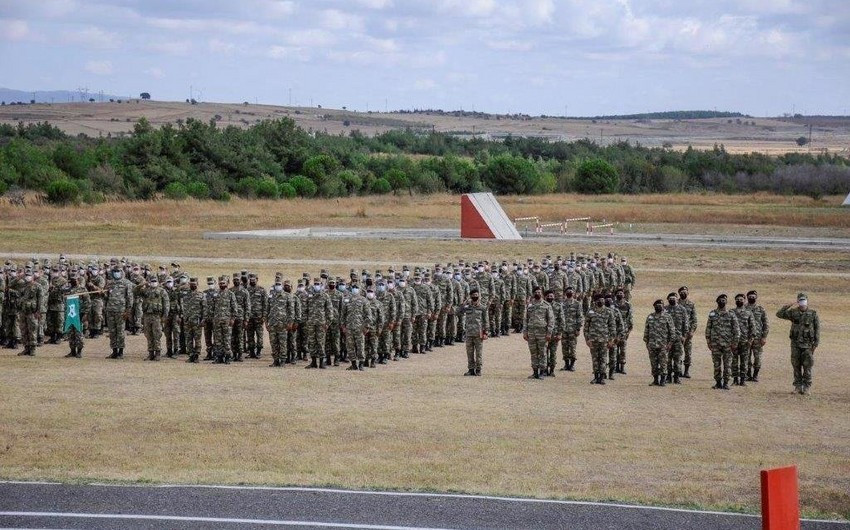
(601, 377)
(395, 356)
(259, 352)
(156, 355)
(237, 357)
(78, 353)
(150, 356)
(804, 390)
(382, 359)
(313, 364)
(114, 354)
(92, 333)
(749, 373)
(404, 354)
(336, 360)
(611, 373)
(551, 370)
(686, 375)
(742, 382)
(595, 380)
(429, 345)
(353, 366)
(193, 358)
(735, 380)
(654, 380)
(169, 353)
(275, 363)
(328, 361)
(360, 365)
(662, 381)
(209, 356)
(322, 363)
(226, 359)
(572, 367)
(725, 383)
(717, 384)
(676, 380)
(566, 366)
(755, 378)
(470, 372)
(72, 353)
(414, 349)
(120, 353)
(478, 372)
(54, 338)
(623, 368)
(535, 375)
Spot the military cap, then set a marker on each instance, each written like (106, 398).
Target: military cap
(659, 301)
(236, 275)
(55, 268)
(405, 268)
(801, 297)
(244, 273)
(193, 280)
(278, 281)
(683, 288)
(740, 295)
(672, 295)
(569, 288)
(287, 282)
(305, 274)
(331, 281)
(370, 289)
(162, 267)
(719, 297)
(153, 279)
(175, 264)
(252, 276)
(324, 272)
(473, 291)
(752, 292)
(210, 279)
(222, 278)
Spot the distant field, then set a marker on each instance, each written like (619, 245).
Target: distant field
(765, 135)
(419, 424)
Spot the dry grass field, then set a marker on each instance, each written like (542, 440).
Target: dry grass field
(764, 135)
(418, 424)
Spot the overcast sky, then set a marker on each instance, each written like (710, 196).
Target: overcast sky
(582, 57)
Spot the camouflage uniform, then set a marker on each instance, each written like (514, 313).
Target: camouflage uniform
(552, 344)
(747, 326)
(437, 298)
(681, 325)
(320, 312)
(75, 336)
(401, 315)
(805, 337)
(281, 320)
(759, 338)
(332, 343)
(259, 306)
(411, 312)
(243, 311)
(96, 285)
(390, 311)
(570, 329)
(521, 295)
(628, 279)
(476, 323)
(30, 302)
(658, 334)
(119, 304)
(155, 308)
(171, 326)
(722, 333)
(426, 309)
(374, 324)
(209, 322)
(56, 308)
(687, 345)
(136, 319)
(619, 332)
(224, 310)
(538, 327)
(625, 309)
(300, 337)
(508, 302)
(497, 306)
(599, 330)
(43, 281)
(356, 315)
(194, 316)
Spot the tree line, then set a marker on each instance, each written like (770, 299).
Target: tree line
(277, 159)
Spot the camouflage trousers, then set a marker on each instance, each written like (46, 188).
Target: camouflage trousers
(507, 315)
(152, 326)
(11, 329)
(658, 361)
(355, 341)
(55, 321)
(537, 348)
(568, 345)
(612, 355)
(495, 311)
(441, 323)
(598, 353)
(406, 334)
(115, 325)
(754, 356)
(332, 341)
(721, 357)
(621, 349)
(460, 325)
(451, 326)
(96, 314)
(474, 353)
(29, 328)
(171, 328)
(255, 334)
(237, 336)
(75, 338)
(519, 313)
(674, 363)
(396, 340)
(301, 339)
(209, 326)
(552, 353)
(688, 347)
(316, 339)
(137, 313)
(431, 324)
(222, 340)
(279, 341)
(385, 343)
(420, 330)
(42, 321)
(802, 361)
(371, 342)
(193, 331)
(739, 359)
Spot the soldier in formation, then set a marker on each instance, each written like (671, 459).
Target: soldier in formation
(805, 337)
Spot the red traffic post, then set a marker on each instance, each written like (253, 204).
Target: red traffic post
(780, 499)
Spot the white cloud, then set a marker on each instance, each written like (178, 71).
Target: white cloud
(287, 52)
(424, 84)
(14, 30)
(511, 45)
(220, 46)
(310, 38)
(99, 67)
(470, 8)
(334, 19)
(171, 47)
(279, 8)
(91, 37)
(375, 4)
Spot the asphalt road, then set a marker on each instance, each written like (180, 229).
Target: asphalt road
(42, 505)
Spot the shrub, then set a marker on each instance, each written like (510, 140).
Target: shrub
(105, 179)
(304, 187)
(93, 197)
(381, 186)
(596, 176)
(175, 191)
(287, 191)
(333, 186)
(63, 191)
(3, 187)
(198, 190)
(351, 180)
(247, 187)
(397, 179)
(510, 174)
(267, 189)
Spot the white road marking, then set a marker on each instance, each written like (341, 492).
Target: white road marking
(221, 520)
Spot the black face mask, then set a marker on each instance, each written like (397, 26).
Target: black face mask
(73, 283)
(287, 288)
(608, 302)
(538, 296)
(620, 296)
(474, 298)
(193, 287)
(599, 303)
(252, 284)
(683, 295)
(658, 308)
(751, 299)
(721, 304)
(671, 301)
(739, 303)
(550, 300)
(569, 295)
(222, 286)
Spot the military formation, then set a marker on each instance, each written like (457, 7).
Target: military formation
(373, 317)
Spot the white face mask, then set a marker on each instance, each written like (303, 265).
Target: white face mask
(370, 296)
(402, 284)
(278, 287)
(355, 290)
(116, 275)
(210, 285)
(154, 284)
(169, 284)
(28, 278)
(317, 287)
(183, 280)
(405, 274)
(457, 277)
(300, 289)
(803, 304)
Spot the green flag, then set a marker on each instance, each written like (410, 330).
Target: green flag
(72, 314)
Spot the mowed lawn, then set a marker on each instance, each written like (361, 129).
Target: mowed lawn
(418, 424)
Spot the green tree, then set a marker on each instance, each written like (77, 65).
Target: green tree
(63, 191)
(596, 176)
(304, 187)
(510, 174)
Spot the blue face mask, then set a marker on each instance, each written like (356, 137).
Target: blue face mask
(457, 277)
(382, 288)
(355, 290)
(341, 288)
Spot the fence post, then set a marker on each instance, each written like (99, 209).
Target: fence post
(780, 499)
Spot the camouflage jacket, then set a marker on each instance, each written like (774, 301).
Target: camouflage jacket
(411, 302)
(805, 325)
(486, 288)
(259, 301)
(194, 307)
(31, 299)
(281, 310)
(375, 319)
(336, 299)
(426, 299)
(659, 330)
(320, 309)
(681, 320)
(617, 317)
(475, 318)
(760, 317)
(155, 300)
(390, 307)
(209, 302)
(119, 296)
(629, 275)
(598, 326)
(243, 302)
(539, 318)
(356, 314)
(692, 315)
(625, 309)
(85, 299)
(746, 323)
(573, 316)
(722, 329)
(224, 307)
(56, 294)
(558, 312)
(399, 305)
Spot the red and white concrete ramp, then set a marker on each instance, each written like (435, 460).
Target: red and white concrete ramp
(482, 217)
